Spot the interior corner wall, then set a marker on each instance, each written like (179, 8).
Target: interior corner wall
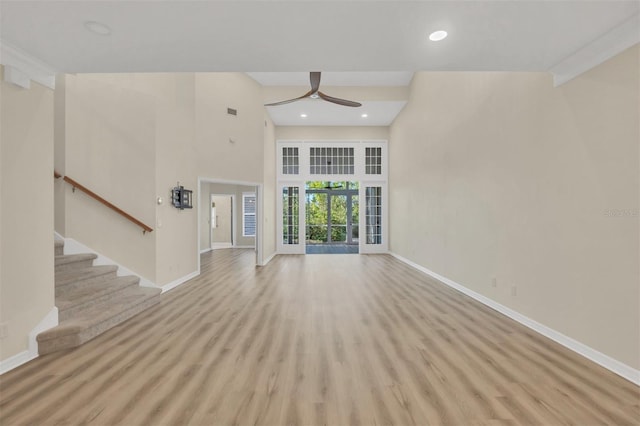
(133, 137)
(110, 138)
(59, 152)
(332, 133)
(229, 147)
(205, 233)
(269, 191)
(26, 212)
(501, 175)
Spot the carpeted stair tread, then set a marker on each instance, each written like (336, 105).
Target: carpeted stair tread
(83, 274)
(70, 258)
(81, 297)
(97, 319)
(73, 261)
(90, 300)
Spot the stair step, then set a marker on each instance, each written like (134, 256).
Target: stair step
(72, 303)
(58, 247)
(97, 319)
(74, 261)
(74, 278)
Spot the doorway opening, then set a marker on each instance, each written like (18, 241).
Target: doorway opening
(221, 221)
(332, 217)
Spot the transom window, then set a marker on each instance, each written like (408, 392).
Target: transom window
(373, 160)
(331, 161)
(290, 161)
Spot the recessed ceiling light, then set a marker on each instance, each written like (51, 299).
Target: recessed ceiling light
(364, 115)
(97, 27)
(303, 115)
(438, 35)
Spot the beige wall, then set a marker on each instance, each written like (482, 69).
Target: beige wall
(269, 191)
(170, 107)
(502, 175)
(26, 211)
(229, 147)
(331, 133)
(204, 196)
(178, 127)
(110, 137)
(59, 152)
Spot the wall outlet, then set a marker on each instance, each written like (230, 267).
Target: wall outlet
(4, 330)
(494, 282)
(514, 290)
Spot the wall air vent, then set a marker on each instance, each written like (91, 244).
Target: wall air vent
(232, 111)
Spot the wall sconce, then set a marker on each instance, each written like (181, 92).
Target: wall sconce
(181, 198)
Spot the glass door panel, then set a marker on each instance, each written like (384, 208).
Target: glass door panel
(355, 220)
(316, 218)
(290, 215)
(338, 218)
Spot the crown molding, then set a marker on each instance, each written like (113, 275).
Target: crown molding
(21, 67)
(601, 49)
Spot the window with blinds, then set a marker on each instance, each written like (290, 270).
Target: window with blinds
(249, 215)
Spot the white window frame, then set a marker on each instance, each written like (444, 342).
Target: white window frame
(359, 175)
(246, 195)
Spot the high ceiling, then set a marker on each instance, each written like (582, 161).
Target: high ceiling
(299, 36)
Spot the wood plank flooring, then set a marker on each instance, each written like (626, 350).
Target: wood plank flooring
(316, 340)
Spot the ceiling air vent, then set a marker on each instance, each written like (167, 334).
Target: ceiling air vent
(232, 111)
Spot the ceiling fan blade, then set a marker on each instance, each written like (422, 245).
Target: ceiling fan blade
(315, 81)
(339, 101)
(306, 95)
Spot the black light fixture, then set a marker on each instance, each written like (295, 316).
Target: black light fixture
(181, 198)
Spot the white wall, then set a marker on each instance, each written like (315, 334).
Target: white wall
(26, 212)
(502, 175)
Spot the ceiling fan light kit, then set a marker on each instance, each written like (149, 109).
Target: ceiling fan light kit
(315, 93)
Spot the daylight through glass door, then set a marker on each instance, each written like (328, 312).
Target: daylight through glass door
(331, 217)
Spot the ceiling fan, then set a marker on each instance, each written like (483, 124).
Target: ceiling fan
(330, 185)
(314, 93)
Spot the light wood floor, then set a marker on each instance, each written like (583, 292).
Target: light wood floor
(313, 340)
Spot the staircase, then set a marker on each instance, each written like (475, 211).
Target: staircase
(90, 300)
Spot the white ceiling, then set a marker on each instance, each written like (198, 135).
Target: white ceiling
(295, 37)
(380, 78)
(321, 113)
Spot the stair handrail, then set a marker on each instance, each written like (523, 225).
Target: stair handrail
(74, 184)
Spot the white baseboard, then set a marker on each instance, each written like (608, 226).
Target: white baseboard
(207, 250)
(244, 247)
(599, 358)
(268, 259)
(175, 283)
(218, 246)
(49, 321)
(72, 246)
(16, 361)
